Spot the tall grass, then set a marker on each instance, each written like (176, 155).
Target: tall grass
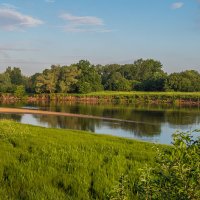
(127, 97)
(41, 163)
(117, 97)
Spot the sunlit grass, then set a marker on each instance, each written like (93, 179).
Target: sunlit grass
(41, 163)
(143, 93)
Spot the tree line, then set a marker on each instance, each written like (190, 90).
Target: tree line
(84, 77)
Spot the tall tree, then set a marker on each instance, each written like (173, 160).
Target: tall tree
(5, 83)
(145, 69)
(48, 80)
(15, 75)
(187, 81)
(69, 78)
(89, 78)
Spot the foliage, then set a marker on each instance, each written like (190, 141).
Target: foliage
(187, 81)
(15, 75)
(84, 77)
(84, 87)
(145, 69)
(120, 191)
(10, 79)
(176, 174)
(20, 91)
(48, 80)
(69, 78)
(89, 80)
(5, 83)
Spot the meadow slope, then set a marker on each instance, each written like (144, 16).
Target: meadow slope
(41, 163)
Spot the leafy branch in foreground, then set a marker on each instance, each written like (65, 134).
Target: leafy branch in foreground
(176, 174)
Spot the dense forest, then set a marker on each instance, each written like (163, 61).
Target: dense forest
(83, 77)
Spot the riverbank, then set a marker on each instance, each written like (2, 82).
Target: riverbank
(41, 163)
(178, 98)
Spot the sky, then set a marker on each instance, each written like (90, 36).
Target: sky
(36, 34)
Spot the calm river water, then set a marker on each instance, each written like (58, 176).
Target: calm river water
(154, 123)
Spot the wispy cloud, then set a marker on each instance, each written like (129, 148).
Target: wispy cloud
(84, 20)
(11, 19)
(83, 23)
(16, 49)
(177, 5)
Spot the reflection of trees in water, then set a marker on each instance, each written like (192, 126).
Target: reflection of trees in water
(152, 120)
(152, 116)
(67, 122)
(182, 118)
(11, 117)
(142, 129)
(138, 129)
(142, 113)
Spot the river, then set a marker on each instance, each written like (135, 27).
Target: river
(154, 123)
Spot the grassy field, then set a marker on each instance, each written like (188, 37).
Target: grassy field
(110, 93)
(150, 96)
(175, 98)
(40, 163)
(128, 97)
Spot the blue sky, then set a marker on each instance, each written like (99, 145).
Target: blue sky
(36, 34)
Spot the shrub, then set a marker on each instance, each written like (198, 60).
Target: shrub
(20, 91)
(176, 174)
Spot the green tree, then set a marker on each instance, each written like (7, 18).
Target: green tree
(5, 83)
(118, 83)
(107, 73)
(48, 80)
(31, 83)
(187, 81)
(146, 69)
(69, 78)
(15, 75)
(20, 91)
(154, 83)
(88, 76)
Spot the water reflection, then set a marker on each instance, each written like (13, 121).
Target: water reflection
(152, 123)
(11, 116)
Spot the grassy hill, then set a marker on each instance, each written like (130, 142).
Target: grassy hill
(41, 163)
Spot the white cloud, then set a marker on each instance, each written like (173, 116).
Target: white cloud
(83, 23)
(177, 5)
(84, 20)
(11, 19)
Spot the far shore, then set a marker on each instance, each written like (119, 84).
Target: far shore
(116, 97)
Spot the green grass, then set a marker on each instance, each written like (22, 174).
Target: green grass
(175, 98)
(137, 92)
(41, 163)
(130, 97)
(148, 97)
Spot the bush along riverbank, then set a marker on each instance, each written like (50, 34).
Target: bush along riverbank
(41, 163)
(178, 98)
